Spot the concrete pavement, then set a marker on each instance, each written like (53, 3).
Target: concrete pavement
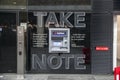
(55, 77)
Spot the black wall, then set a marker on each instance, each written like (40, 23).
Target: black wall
(116, 5)
(102, 35)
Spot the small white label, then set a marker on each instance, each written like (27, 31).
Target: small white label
(20, 77)
(0, 29)
(117, 77)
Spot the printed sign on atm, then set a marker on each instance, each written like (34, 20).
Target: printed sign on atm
(58, 33)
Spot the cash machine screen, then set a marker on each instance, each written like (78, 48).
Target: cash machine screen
(57, 44)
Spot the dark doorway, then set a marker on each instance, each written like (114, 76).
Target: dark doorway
(8, 53)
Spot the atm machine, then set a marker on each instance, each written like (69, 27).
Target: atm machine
(59, 40)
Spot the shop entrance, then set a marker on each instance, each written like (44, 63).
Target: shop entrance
(58, 42)
(55, 42)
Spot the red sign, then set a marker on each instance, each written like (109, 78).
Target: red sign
(102, 48)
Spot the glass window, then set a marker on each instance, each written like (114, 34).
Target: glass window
(8, 42)
(13, 2)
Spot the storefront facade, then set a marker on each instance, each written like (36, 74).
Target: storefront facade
(63, 37)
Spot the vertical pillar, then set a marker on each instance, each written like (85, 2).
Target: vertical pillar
(102, 35)
(20, 50)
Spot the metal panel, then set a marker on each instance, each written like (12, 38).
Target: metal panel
(102, 35)
(20, 50)
(61, 7)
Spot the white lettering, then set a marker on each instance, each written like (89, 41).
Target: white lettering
(62, 19)
(56, 62)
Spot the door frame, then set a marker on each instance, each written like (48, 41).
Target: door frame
(114, 41)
